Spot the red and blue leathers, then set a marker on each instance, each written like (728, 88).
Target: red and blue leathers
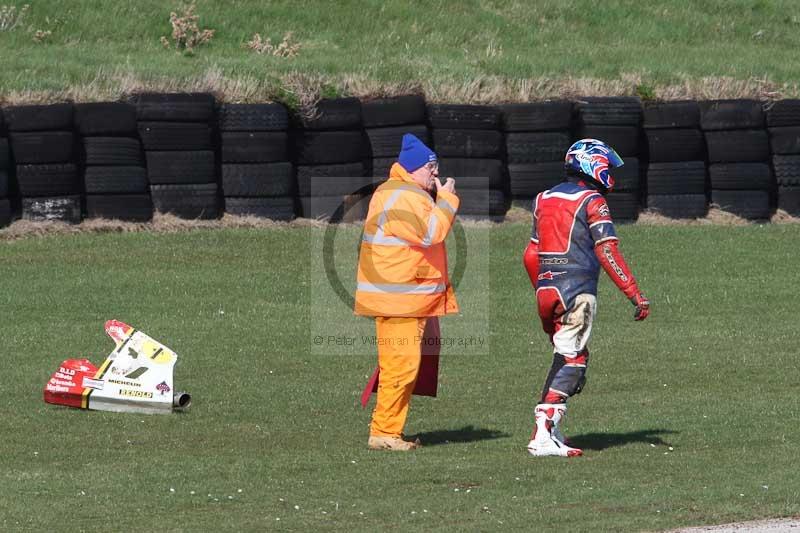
(572, 237)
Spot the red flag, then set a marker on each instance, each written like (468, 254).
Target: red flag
(428, 376)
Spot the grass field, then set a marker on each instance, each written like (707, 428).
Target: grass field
(687, 418)
(475, 50)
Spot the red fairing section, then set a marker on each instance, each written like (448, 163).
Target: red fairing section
(531, 261)
(66, 385)
(611, 259)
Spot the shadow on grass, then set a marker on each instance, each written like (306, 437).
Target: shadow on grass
(449, 436)
(601, 441)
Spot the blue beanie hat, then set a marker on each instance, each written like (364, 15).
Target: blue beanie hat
(414, 153)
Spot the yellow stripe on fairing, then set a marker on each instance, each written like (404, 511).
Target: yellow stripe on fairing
(87, 391)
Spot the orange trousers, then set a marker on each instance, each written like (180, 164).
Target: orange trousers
(399, 357)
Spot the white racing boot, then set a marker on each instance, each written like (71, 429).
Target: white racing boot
(547, 439)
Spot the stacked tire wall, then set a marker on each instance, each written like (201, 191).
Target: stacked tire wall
(43, 146)
(175, 153)
(783, 123)
(5, 178)
(738, 156)
(536, 138)
(178, 138)
(258, 178)
(468, 141)
(331, 155)
(617, 121)
(676, 173)
(114, 173)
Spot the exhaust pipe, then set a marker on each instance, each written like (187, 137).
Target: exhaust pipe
(181, 400)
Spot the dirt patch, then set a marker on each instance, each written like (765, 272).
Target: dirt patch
(758, 526)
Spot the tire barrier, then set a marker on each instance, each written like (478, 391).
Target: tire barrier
(257, 175)
(177, 134)
(738, 154)
(184, 154)
(43, 149)
(470, 146)
(114, 174)
(536, 138)
(676, 173)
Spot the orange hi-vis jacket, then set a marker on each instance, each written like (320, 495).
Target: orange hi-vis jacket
(402, 268)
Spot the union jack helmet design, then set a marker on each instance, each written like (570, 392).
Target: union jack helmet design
(594, 159)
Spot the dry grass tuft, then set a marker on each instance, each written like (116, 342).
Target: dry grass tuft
(654, 218)
(304, 90)
(186, 32)
(287, 48)
(782, 217)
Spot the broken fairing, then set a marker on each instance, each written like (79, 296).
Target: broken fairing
(135, 378)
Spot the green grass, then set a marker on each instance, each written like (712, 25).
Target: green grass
(687, 418)
(98, 47)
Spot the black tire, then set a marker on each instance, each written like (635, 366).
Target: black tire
(349, 208)
(610, 111)
(3, 183)
(189, 201)
(254, 147)
(627, 178)
(105, 118)
(784, 113)
(115, 180)
(468, 143)
(741, 177)
(464, 116)
(678, 205)
(174, 107)
(530, 180)
(42, 147)
(332, 180)
(623, 139)
(381, 165)
(396, 111)
(53, 208)
(785, 140)
(474, 173)
(737, 146)
(482, 202)
(47, 180)
(124, 151)
(537, 116)
(5, 212)
(332, 114)
(753, 205)
(39, 117)
(268, 179)
(731, 114)
(386, 142)
(4, 154)
(678, 144)
(326, 147)
(787, 169)
(253, 117)
(322, 186)
(127, 207)
(676, 179)
(277, 208)
(175, 136)
(623, 205)
(175, 168)
(789, 200)
(677, 114)
(539, 147)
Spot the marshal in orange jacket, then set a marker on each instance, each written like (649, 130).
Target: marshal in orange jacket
(402, 267)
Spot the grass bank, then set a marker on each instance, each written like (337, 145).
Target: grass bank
(470, 51)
